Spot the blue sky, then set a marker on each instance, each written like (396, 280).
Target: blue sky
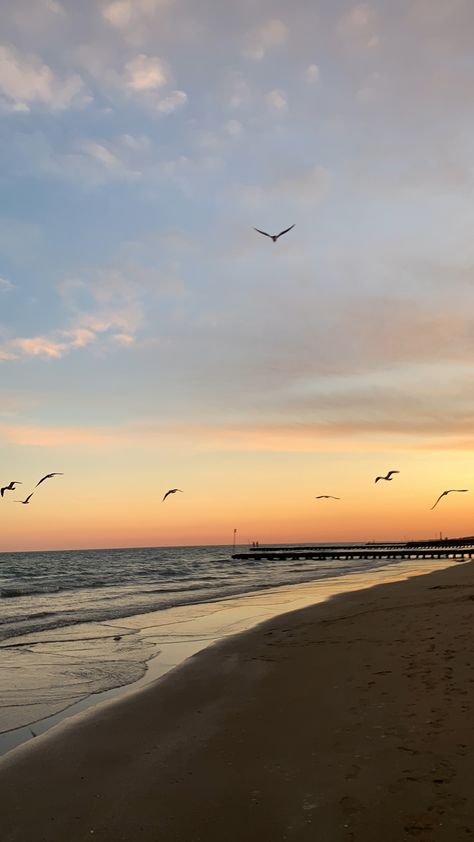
(141, 142)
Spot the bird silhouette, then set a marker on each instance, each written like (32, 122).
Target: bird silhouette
(389, 477)
(48, 476)
(171, 491)
(449, 491)
(10, 486)
(24, 502)
(326, 497)
(274, 237)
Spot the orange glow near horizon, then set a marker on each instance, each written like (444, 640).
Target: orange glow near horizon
(113, 498)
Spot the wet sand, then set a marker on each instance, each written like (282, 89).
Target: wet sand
(349, 720)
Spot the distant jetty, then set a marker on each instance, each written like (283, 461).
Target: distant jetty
(455, 549)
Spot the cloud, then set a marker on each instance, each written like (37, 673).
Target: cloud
(98, 162)
(171, 103)
(89, 163)
(5, 285)
(272, 34)
(276, 100)
(123, 14)
(239, 94)
(233, 128)
(61, 342)
(100, 153)
(312, 74)
(108, 308)
(53, 346)
(344, 434)
(146, 78)
(145, 73)
(118, 13)
(25, 81)
(359, 26)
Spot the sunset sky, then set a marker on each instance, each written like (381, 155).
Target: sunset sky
(149, 338)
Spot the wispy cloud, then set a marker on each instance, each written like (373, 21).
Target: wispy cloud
(124, 76)
(145, 73)
(173, 102)
(238, 92)
(359, 26)
(277, 101)
(270, 35)
(343, 435)
(53, 346)
(312, 74)
(5, 285)
(58, 343)
(113, 317)
(118, 13)
(126, 14)
(25, 81)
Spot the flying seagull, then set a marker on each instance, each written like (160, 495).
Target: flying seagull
(10, 487)
(274, 237)
(48, 476)
(24, 502)
(448, 492)
(388, 477)
(171, 491)
(326, 497)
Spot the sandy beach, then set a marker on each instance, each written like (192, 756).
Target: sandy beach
(349, 720)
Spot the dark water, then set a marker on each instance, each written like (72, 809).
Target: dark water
(49, 590)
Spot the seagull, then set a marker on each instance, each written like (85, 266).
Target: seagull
(171, 491)
(326, 497)
(388, 477)
(448, 492)
(274, 237)
(48, 476)
(10, 487)
(24, 502)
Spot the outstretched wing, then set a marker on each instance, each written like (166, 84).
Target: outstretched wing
(164, 498)
(439, 498)
(392, 472)
(377, 479)
(286, 230)
(48, 476)
(263, 232)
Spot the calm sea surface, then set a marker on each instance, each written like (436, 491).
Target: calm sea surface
(51, 590)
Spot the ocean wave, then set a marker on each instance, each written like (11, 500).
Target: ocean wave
(108, 585)
(12, 593)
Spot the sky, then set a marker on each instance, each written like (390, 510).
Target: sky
(151, 339)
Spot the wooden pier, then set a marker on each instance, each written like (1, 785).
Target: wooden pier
(456, 550)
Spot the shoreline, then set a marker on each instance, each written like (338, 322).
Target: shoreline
(175, 634)
(351, 719)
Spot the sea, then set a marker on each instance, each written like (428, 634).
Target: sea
(77, 625)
